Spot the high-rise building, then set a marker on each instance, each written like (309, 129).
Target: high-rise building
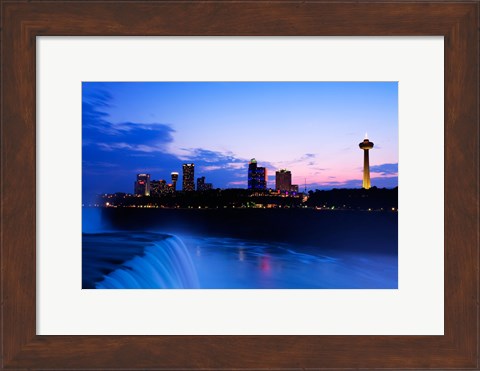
(160, 188)
(283, 180)
(200, 183)
(257, 176)
(202, 186)
(188, 177)
(155, 188)
(252, 174)
(174, 180)
(142, 185)
(366, 145)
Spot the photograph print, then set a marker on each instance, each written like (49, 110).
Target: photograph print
(239, 185)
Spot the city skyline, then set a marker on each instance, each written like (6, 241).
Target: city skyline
(283, 180)
(310, 128)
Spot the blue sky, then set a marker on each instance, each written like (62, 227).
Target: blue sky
(310, 128)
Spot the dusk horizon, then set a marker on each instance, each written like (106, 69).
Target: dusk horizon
(312, 129)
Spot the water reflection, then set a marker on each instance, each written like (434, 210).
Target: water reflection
(241, 255)
(239, 263)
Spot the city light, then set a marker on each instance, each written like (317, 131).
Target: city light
(151, 193)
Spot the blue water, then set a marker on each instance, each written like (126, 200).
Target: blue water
(118, 259)
(165, 263)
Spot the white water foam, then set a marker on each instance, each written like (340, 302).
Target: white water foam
(165, 264)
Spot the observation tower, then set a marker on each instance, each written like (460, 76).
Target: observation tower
(366, 145)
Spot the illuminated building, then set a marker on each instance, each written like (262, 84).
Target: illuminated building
(366, 146)
(294, 188)
(257, 176)
(200, 183)
(174, 180)
(283, 180)
(202, 186)
(160, 188)
(142, 185)
(155, 186)
(188, 177)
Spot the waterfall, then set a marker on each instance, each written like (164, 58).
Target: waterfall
(165, 264)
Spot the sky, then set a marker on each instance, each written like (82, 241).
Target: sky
(310, 128)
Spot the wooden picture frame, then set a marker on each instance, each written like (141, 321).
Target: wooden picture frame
(23, 21)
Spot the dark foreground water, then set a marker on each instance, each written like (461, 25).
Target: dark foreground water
(243, 249)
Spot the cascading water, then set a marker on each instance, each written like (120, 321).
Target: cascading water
(165, 264)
